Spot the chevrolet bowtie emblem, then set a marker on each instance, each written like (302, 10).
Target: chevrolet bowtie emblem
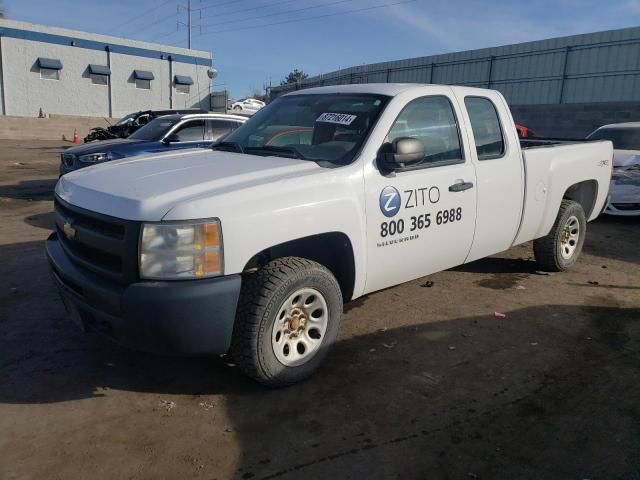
(69, 231)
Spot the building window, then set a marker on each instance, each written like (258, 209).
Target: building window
(183, 88)
(99, 74)
(183, 83)
(49, 74)
(143, 79)
(143, 84)
(49, 68)
(99, 79)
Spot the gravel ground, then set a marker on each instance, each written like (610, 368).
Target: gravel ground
(425, 381)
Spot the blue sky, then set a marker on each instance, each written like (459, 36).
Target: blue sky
(249, 53)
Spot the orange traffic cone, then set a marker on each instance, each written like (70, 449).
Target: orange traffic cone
(76, 138)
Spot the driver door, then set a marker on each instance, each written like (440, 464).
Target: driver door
(421, 220)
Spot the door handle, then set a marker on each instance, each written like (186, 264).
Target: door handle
(460, 187)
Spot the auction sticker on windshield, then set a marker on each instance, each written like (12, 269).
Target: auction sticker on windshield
(339, 118)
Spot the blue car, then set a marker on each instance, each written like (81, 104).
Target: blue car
(169, 132)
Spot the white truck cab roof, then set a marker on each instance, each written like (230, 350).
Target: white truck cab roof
(390, 89)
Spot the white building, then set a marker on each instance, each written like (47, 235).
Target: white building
(68, 72)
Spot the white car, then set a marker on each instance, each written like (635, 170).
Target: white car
(329, 194)
(248, 106)
(625, 179)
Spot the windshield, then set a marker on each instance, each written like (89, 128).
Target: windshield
(622, 138)
(155, 129)
(326, 128)
(126, 119)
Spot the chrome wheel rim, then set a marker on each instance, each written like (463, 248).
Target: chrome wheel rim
(569, 237)
(300, 326)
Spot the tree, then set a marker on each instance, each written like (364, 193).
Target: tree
(258, 95)
(294, 77)
(3, 13)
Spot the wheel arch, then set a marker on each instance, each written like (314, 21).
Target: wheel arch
(332, 250)
(585, 193)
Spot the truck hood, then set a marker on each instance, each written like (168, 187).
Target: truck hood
(146, 188)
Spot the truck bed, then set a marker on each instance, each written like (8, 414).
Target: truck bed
(552, 167)
(529, 143)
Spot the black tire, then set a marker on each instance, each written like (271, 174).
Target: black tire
(549, 250)
(261, 298)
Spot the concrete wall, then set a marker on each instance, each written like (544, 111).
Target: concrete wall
(575, 120)
(52, 128)
(25, 93)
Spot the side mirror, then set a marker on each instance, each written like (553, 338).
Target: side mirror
(404, 152)
(171, 138)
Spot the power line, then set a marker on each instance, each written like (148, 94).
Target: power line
(226, 14)
(278, 13)
(144, 14)
(356, 10)
(219, 4)
(149, 25)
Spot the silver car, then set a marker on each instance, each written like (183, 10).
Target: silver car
(625, 178)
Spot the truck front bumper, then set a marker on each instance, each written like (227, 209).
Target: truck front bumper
(192, 317)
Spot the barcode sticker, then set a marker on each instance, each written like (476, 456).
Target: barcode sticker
(339, 118)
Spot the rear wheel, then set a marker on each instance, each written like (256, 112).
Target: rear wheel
(237, 108)
(288, 317)
(561, 248)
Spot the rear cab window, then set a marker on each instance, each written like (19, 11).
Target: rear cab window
(487, 130)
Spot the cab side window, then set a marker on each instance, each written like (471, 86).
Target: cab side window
(432, 121)
(485, 124)
(191, 131)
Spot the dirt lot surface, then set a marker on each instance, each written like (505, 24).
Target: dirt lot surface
(425, 381)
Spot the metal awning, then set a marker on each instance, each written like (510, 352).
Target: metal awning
(183, 80)
(143, 75)
(52, 63)
(99, 70)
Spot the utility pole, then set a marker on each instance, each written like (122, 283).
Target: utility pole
(188, 25)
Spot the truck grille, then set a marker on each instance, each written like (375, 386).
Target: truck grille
(68, 159)
(105, 245)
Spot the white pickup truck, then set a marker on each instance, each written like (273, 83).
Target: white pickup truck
(324, 195)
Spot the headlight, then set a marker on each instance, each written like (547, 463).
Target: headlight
(96, 157)
(184, 250)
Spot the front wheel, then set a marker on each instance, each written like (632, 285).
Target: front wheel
(289, 314)
(237, 108)
(561, 248)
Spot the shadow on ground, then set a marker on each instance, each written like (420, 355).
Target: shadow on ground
(30, 190)
(536, 395)
(616, 238)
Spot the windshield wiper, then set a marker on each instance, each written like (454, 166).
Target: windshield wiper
(286, 151)
(235, 146)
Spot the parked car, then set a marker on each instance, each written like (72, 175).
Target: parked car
(168, 132)
(131, 123)
(248, 106)
(625, 180)
(326, 195)
(526, 132)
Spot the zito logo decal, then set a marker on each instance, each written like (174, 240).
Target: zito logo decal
(390, 202)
